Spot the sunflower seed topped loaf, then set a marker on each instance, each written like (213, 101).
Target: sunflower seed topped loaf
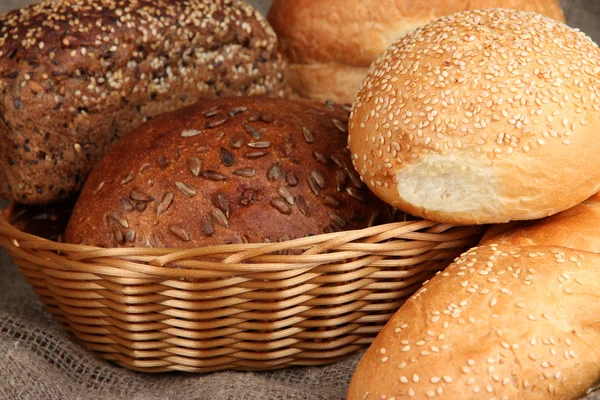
(76, 75)
(227, 170)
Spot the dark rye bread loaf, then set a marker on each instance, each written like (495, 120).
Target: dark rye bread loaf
(75, 75)
(228, 170)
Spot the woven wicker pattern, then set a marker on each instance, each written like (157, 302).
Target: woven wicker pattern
(307, 301)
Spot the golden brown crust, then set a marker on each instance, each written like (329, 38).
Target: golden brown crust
(352, 34)
(455, 124)
(321, 82)
(575, 228)
(226, 170)
(355, 32)
(72, 85)
(501, 322)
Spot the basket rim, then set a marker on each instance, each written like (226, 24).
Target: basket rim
(234, 259)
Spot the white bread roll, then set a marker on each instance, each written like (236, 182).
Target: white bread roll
(331, 43)
(516, 318)
(482, 117)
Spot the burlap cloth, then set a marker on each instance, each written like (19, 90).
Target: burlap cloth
(40, 361)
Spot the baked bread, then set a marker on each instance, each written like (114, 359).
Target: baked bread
(516, 318)
(503, 322)
(330, 43)
(229, 170)
(481, 117)
(77, 75)
(573, 228)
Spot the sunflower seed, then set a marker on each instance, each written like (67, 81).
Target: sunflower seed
(219, 217)
(330, 104)
(186, 189)
(340, 180)
(127, 179)
(340, 125)
(105, 219)
(163, 163)
(301, 204)
(236, 111)
(331, 202)
(141, 206)
(227, 157)
(347, 107)
(308, 136)
(245, 172)
(247, 197)
(221, 203)
(355, 179)
(237, 141)
(143, 168)
(190, 133)
(116, 231)
(318, 177)
(259, 145)
(284, 192)
(126, 204)
(373, 220)
(331, 228)
(337, 220)
(195, 165)
(216, 123)
(274, 171)
(202, 149)
(255, 154)
(357, 216)
(291, 179)
(321, 158)
(281, 205)
(148, 244)
(138, 195)
(165, 203)
(211, 113)
(337, 160)
(207, 225)
(255, 133)
(357, 194)
(268, 118)
(315, 112)
(130, 236)
(254, 116)
(99, 187)
(119, 219)
(213, 175)
(179, 232)
(17, 103)
(314, 186)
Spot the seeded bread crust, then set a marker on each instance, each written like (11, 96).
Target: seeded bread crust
(228, 170)
(76, 75)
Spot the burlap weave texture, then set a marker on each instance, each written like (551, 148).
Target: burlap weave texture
(39, 361)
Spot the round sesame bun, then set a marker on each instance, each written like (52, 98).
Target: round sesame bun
(330, 43)
(514, 318)
(574, 228)
(502, 322)
(481, 117)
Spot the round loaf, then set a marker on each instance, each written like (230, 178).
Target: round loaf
(76, 75)
(502, 322)
(575, 228)
(228, 170)
(481, 117)
(330, 43)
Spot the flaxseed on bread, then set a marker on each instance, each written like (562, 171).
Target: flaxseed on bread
(76, 75)
(228, 170)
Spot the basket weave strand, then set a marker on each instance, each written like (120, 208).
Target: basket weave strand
(256, 306)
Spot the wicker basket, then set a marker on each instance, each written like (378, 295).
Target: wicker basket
(307, 301)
